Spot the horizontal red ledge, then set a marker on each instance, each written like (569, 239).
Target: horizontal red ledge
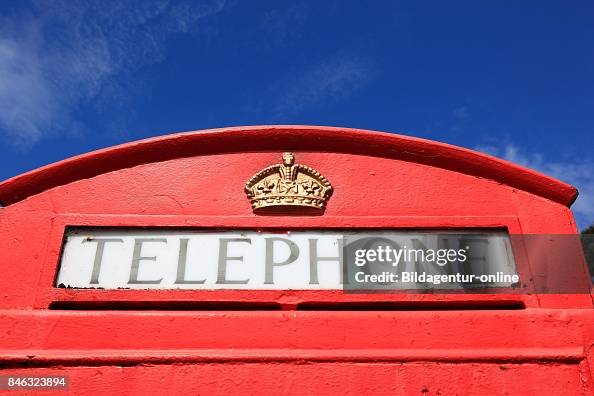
(94, 357)
(529, 329)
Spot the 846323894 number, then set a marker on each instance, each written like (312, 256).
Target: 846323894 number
(42, 382)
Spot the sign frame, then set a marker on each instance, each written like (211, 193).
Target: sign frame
(49, 296)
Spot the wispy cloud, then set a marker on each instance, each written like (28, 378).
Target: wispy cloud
(579, 173)
(460, 116)
(281, 25)
(461, 113)
(58, 56)
(330, 80)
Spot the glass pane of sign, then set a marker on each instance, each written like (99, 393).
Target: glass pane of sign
(349, 260)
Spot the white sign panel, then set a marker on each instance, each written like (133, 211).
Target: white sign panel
(174, 259)
(165, 259)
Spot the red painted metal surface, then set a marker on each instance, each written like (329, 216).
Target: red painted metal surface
(156, 342)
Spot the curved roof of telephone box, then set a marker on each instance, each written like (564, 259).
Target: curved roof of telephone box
(284, 138)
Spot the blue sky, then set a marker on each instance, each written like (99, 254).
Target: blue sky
(515, 79)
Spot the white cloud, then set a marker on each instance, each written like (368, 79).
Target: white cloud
(460, 116)
(579, 173)
(282, 25)
(461, 113)
(332, 79)
(63, 54)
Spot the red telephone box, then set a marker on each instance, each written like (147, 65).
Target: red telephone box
(102, 253)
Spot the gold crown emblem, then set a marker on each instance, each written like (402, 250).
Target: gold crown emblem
(288, 185)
